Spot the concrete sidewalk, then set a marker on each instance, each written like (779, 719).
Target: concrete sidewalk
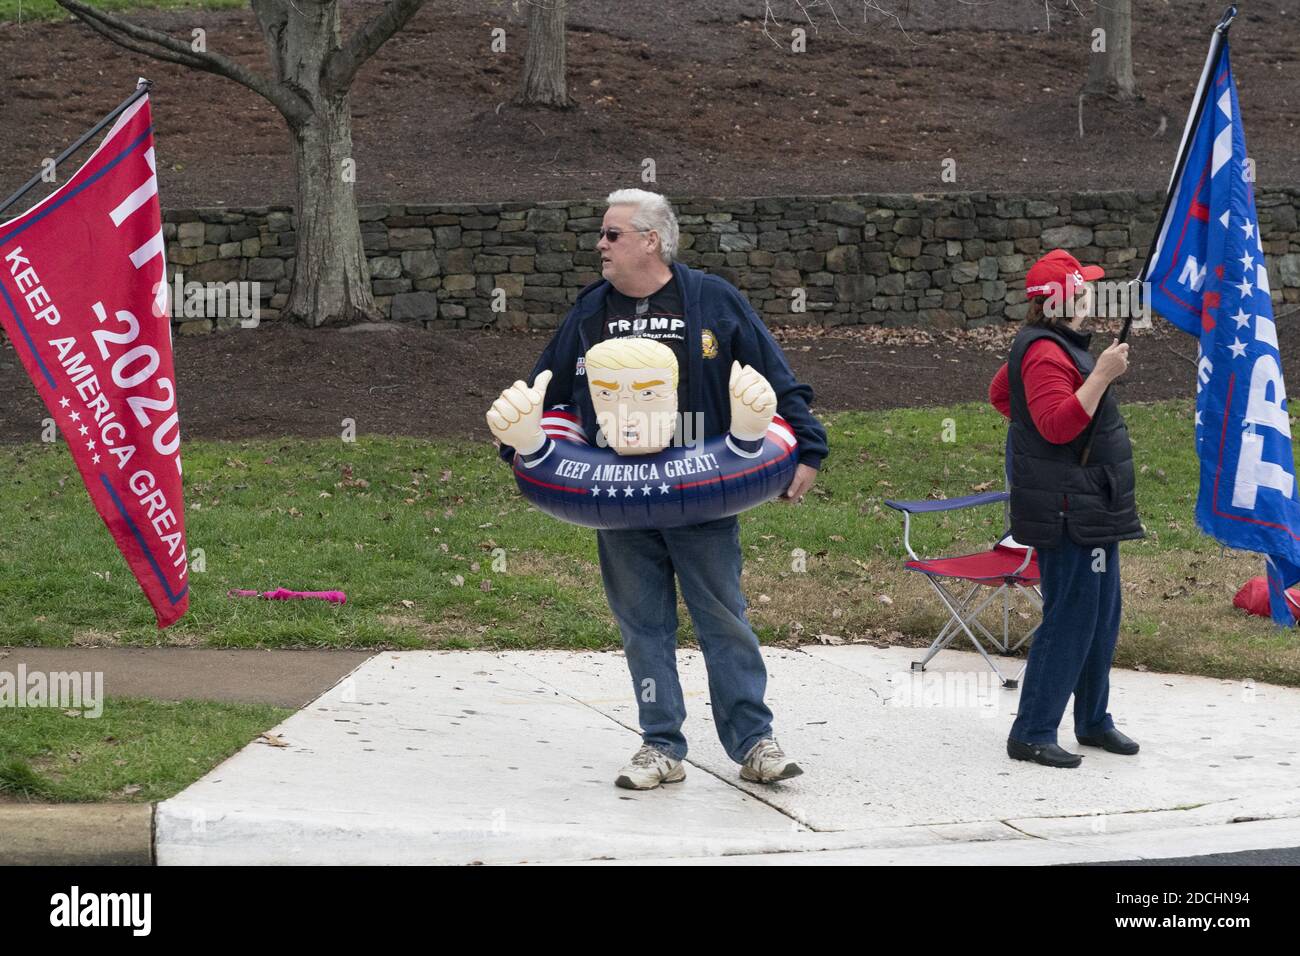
(462, 757)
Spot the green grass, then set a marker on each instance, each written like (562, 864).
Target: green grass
(28, 10)
(397, 522)
(136, 751)
(386, 520)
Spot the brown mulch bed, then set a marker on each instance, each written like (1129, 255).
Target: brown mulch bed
(697, 85)
(285, 380)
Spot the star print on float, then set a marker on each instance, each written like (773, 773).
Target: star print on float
(597, 488)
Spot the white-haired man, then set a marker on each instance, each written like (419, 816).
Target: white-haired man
(707, 323)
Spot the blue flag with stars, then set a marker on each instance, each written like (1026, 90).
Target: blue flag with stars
(1207, 276)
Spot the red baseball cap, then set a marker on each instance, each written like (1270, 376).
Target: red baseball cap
(1058, 270)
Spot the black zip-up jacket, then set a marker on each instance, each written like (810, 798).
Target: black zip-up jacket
(1050, 490)
(710, 304)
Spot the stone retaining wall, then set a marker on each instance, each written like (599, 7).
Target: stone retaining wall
(939, 261)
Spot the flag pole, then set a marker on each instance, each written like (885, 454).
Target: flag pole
(142, 87)
(1202, 89)
(1193, 117)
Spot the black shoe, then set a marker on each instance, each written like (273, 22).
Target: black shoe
(1049, 755)
(1111, 740)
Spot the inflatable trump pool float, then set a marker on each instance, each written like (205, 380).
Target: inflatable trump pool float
(643, 473)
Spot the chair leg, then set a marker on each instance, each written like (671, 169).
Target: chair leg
(949, 631)
(956, 611)
(964, 618)
(972, 618)
(1006, 617)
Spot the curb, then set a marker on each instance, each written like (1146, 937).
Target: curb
(76, 834)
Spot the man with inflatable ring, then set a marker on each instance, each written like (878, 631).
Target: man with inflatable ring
(709, 325)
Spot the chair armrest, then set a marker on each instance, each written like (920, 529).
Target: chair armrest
(949, 504)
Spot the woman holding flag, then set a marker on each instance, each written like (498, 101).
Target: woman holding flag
(1072, 499)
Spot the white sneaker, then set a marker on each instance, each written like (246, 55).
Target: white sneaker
(767, 763)
(649, 768)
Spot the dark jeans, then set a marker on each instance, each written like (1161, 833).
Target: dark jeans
(1073, 648)
(637, 568)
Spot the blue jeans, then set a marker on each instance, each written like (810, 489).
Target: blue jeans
(637, 568)
(1072, 651)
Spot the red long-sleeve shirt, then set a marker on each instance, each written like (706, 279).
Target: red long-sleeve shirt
(1050, 383)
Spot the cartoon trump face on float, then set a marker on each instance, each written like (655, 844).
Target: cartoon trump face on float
(633, 387)
(633, 384)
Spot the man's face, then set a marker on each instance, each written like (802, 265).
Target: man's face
(632, 254)
(636, 408)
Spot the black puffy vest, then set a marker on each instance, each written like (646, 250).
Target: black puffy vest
(1050, 489)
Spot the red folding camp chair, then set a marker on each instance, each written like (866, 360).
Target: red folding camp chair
(1003, 571)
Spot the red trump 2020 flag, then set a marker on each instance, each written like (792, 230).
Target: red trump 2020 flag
(83, 297)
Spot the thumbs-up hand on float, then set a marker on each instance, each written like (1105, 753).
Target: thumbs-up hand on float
(753, 402)
(515, 418)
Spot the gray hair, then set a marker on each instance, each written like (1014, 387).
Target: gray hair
(652, 211)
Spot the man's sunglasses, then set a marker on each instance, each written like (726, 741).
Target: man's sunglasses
(613, 234)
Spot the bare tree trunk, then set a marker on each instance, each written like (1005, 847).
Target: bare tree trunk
(544, 70)
(1110, 71)
(331, 279)
(313, 72)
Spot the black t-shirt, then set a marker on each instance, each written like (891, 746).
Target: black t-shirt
(659, 316)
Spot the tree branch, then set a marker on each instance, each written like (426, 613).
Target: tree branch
(342, 66)
(160, 46)
(135, 47)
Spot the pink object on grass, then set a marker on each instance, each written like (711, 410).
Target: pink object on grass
(284, 594)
